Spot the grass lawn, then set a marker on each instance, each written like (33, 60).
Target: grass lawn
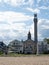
(20, 55)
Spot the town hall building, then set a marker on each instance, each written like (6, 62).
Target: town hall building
(29, 45)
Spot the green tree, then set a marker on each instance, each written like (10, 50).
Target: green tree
(47, 40)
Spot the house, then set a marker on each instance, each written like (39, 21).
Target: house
(2, 46)
(15, 46)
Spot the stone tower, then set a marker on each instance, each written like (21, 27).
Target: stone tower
(35, 28)
(29, 36)
(35, 33)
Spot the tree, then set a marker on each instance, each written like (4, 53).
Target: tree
(47, 40)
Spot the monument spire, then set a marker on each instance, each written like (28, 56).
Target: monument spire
(35, 27)
(35, 32)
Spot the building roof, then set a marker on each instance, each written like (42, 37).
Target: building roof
(29, 42)
(14, 42)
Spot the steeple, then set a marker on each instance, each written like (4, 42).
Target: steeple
(29, 35)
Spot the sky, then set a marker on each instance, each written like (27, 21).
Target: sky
(16, 19)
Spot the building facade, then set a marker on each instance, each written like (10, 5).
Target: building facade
(42, 47)
(3, 47)
(29, 45)
(15, 46)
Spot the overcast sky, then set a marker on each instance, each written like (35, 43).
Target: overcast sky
(16, 19)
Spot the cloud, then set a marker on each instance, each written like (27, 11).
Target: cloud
(46, 1)
(43, 28)
(34, 10)
(12, 2)
(13, 20)
(43, 1)
(29, 2)
(13, 16)
(43, 22)
(44, 7)
(15, 25)
(12, 24)
(38, 1)
(18, 2)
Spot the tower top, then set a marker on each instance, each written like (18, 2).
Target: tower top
(35, 15)
(35, 18)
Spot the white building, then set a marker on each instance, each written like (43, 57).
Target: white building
(42, 47)
(16, 46)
